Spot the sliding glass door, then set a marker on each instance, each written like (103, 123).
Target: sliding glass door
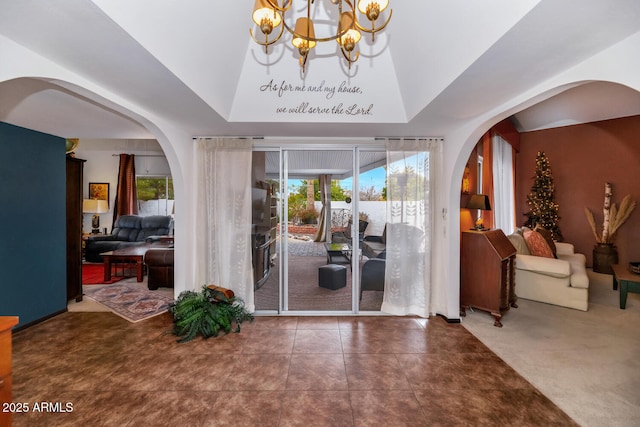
(324, 211)
(319, 251)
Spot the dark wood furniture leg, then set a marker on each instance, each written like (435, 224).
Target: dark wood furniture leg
(139, 269)
(107, 268)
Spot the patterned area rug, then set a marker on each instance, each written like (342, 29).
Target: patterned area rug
(132, 301)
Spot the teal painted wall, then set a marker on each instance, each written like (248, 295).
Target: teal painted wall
(33, 224)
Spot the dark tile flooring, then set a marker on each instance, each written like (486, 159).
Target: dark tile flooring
(279, 371)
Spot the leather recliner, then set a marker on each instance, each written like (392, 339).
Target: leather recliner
(159, 264)
(129, 230)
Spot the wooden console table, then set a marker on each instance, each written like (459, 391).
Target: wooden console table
(6, 323)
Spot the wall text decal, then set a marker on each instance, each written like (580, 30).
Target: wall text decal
(346, 108)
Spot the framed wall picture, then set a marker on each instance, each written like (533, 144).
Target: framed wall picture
(99, 191)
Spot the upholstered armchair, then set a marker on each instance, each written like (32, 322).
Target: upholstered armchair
(345, 236)
(372, 274)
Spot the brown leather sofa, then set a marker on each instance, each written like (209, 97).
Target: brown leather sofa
(129, 230)
(159, 264)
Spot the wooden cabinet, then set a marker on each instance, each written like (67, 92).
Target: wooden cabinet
(74, 228)
(6, 323)
(487, 273)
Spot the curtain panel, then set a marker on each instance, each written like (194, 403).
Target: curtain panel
(411, 166)
(224, 216)
(126, 201)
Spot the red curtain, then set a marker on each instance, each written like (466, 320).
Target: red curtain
(126, 202)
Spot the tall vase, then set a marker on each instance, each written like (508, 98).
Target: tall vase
(604, 255)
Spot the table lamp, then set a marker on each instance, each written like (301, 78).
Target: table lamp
(480, 202)
(95, 207)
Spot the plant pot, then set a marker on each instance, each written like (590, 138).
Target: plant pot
(604, 256)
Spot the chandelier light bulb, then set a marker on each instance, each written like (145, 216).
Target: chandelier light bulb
(352, 36)
(372, 8)
(265, 17)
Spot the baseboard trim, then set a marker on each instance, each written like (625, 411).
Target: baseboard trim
(449, 320)
(42, 319)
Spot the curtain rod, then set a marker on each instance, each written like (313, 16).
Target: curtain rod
(140, 155)
(229, 137)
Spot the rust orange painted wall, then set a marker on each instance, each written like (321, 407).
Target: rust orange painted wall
(583, 158)
(468, 217)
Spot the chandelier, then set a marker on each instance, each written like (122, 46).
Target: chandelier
(269, 15)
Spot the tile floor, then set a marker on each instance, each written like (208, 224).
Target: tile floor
(279, 371)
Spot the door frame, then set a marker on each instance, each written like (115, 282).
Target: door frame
(355, 147)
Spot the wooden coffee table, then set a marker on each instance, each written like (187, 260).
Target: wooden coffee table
(629, 282)
(127, 258)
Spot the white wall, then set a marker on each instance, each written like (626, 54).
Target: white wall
(102, 163)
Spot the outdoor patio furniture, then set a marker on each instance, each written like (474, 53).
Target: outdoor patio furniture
(372, 275)
(332, 276)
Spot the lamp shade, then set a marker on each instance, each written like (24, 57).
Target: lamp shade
(479, 201)
(351, 35)
(94, 206)
(263, 12)
(304, 34)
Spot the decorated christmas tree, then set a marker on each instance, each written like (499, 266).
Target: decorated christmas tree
(543, 210)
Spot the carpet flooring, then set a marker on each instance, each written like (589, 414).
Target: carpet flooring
(304, 292)
(588, 363)
(93, 274)
(130, 300)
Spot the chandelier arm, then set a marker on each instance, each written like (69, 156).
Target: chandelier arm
(313, 39)
(347, 56)
(267, 43)
(286, 5)
(374, 29)
(303, 61)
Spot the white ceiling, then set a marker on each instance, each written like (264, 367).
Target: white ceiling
(193, 63)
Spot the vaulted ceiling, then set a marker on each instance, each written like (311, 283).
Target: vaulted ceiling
(437, 64)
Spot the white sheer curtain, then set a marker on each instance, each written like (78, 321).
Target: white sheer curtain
(503, 193)
(224, 215)
(410, 184)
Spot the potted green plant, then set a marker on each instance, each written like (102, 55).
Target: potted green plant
(605, 252)
(206, 313)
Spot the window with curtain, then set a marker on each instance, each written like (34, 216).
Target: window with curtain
(503, 187)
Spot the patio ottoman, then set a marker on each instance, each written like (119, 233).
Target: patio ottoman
(332, 276)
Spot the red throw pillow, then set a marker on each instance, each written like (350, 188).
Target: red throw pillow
(548, 237)
(537, 245)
